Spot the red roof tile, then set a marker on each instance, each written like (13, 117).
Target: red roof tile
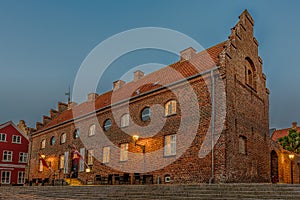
(167, 75)
(281, 133)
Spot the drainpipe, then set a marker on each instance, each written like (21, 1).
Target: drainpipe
(212, 78)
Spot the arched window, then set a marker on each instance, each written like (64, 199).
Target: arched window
(125, 120)
(250, 73)
(242, 145)
(92, 130)
(170, 108)
(145, 115)
(63, 138)
(76, 134)
(43, 144)
(52, 140)
(107, 124)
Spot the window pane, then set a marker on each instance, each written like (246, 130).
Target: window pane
(107, 124)
(92, 130)
(146, 114)
(125, 120)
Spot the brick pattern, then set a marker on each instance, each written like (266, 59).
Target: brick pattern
(247, 115)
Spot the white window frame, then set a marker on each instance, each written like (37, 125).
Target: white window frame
(90, 158)
(125, 120)
(92, 130)
(21, 177)
(4, 178)
(43, 144)
(124, 152)
(7, 154)
(106, 154)
(170, 108)
(23, 157)
(16, 139)
(63, 138)
(170, 145)
(3, 137)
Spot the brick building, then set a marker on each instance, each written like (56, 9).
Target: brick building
(101, 128)
(13, 154)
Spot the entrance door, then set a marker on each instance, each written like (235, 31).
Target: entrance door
(274, 167)
(75, 166)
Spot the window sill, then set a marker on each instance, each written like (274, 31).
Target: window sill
(170, 115)
(169, 156)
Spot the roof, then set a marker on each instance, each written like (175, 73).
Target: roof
(202, 61)
(281, 133)
(16, 127)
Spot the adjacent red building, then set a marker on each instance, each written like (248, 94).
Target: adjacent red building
(13, 154)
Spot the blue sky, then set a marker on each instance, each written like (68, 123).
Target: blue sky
(43, 43)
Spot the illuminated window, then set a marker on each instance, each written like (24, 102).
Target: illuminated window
(41, 167)
(170, 145)
(124, 152)
(170, 108)
(125, 120)
(92, 130)
(90, 157)
(106, 154)
(61, 161)
(63, 138)
(43, 144)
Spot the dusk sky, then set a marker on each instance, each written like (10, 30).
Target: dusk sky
(43, 43)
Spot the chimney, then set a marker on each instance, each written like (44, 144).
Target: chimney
(118, 84)
(92, 96)
(187, 54)
(294, 125)
(138, 75)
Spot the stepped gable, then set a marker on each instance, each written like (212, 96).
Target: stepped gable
(201, 61)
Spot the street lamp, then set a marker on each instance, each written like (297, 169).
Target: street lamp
(135, 138)
(291, 157)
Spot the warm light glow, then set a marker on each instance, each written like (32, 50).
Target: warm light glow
(135, 138)
(43, 156)
(87, 170)
(291, 156)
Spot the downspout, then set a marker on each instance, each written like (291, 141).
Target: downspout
(212, 78)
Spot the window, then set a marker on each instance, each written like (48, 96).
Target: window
(53, 140)
(124, 152)
(63, 138)
(170, 108)
(146, 114)
(90, 157)
(170, 145)
(7, 156)
(250, 73)
(107, 124)
(21, 177)
(2, 137)
(23, 157)
(125, 120)
(16, 139)
(92, 130)
(5, 177)
(41, 167)
(61, 161)
(242, 145)
(106, 154)
(76, 134)
(43, 144)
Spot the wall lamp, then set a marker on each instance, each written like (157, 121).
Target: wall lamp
(135, 138)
